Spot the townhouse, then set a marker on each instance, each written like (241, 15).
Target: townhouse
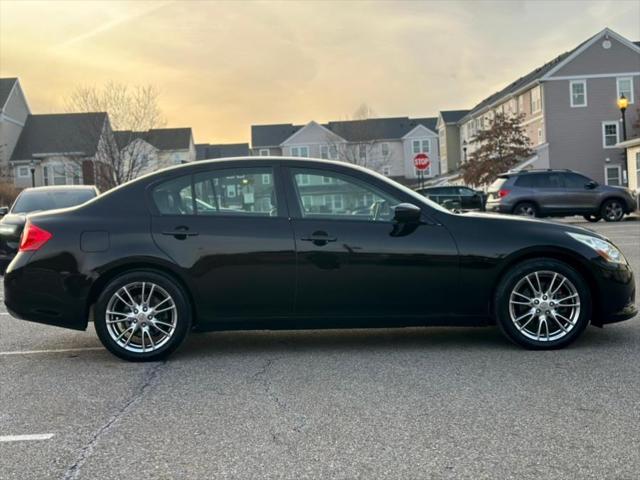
(386, 145)
(569, 108)
(207, 151)
(14, 111)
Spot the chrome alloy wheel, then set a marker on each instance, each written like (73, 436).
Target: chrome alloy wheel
(544, 306)
(526, 210)
(613, 211)
(141, 317)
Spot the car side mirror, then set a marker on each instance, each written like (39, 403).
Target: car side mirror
(406, 213)
(4, 211)
(591, 185)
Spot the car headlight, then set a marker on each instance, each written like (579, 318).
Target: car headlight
(8, 229)
(603, 248)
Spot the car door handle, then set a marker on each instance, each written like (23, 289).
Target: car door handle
(319, 238)
(181, 233)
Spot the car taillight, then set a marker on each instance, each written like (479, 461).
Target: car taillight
(33, 237)
(503, 193)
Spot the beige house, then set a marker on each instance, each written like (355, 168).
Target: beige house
(14, 111)
(633, 164)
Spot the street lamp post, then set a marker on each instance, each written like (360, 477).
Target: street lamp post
(464, 151)
(32, 168)
(623, 103)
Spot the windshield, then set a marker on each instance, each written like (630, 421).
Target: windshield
(39, 200)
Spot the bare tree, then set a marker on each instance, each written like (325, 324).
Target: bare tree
(132, 110)
(360, 148)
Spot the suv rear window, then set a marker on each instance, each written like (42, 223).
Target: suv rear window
(497, 184)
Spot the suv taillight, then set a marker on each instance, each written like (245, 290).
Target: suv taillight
(33, 237)
(503, 193)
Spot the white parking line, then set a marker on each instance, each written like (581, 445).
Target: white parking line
(61, 350)
(26, 438)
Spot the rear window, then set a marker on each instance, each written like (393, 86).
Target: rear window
(497, 184)
(41, 200)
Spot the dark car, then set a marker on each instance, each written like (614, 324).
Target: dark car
(32, 200)
(558, 193)
(272, 243)
(455, 197)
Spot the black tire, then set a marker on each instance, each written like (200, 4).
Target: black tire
(526, 209)
(593, 218)
(612, 210)
(509, 282)
(181, 321)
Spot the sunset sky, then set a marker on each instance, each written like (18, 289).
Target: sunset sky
(222, 66)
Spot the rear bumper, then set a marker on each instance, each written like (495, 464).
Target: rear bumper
(496, 206)
(44, 296)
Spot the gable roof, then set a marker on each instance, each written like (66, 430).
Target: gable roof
(221, 150)
(161, 138)
(6, 85)
(77, 133)
(452, 116)
(350, 130)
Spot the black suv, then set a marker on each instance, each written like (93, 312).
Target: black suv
(558, 193)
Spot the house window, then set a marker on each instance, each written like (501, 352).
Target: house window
(23, 172)
(536, 101)
(578, 93)
(362, 151)
(609, 134)
(231, 191)
(625, 87)
(386, 170)
(521, 104)
(75, 174)
(59, 175)
(328, 152)
(638, 167)
(421, 146)
(613, 175)
(299, 151)
(266, 179)
(264, 152)
(384, 148)
(45, 176)
(324, 152)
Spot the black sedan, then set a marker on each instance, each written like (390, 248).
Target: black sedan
(277, 243)
(37, 199)
(455, 197)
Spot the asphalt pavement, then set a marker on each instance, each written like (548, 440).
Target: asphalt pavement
(437, 403)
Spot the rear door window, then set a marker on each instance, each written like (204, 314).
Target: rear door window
(574, 180)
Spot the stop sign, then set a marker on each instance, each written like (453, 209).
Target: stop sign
(421, 161)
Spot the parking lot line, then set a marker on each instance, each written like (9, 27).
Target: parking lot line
(60, 350)
(26, 438)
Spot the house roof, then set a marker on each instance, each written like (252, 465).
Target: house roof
(452, 116)
(350, 130)
(526, 79)
(77, 133)
(207, 150)
(6, 85)
(161, 138)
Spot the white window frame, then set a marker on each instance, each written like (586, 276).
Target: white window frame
(604, 136)
(606, 174)
(630, 79)
(520, 103)
(24, 175)
(384, 149)
(266, 179)
(538, 103)
(263, 152)
(297, 151)
(324, 152)
(386, 170)
(540, 136)
(584, 87)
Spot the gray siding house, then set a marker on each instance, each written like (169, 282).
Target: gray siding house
(570, 108)
(386, 145)
(451, 152)
(14, 111)
(205, 151)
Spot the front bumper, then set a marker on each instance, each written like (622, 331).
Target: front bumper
(616, 294)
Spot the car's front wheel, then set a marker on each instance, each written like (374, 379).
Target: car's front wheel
(542, 304)
(142, 316)
(526, 209)
(612, 210)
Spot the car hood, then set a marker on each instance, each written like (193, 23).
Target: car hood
(525, 221)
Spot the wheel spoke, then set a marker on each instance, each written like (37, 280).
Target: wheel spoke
(125, 331)
(531, 285)
(523, 296)
(555, 319)
(130, 305)
(527, 322)
(559, 285)
(159, 329)
(520, 303)
(555, 275)
(126, 290)
(130, 337)
(539, 284)
(158, 304)
(153, 344)
(566, 298)
(165, 309)
(148, 302)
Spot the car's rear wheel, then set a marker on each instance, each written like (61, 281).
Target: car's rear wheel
(612, 210)
(593, 218)
(526, 209)
(142, 316)
(542, 304)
